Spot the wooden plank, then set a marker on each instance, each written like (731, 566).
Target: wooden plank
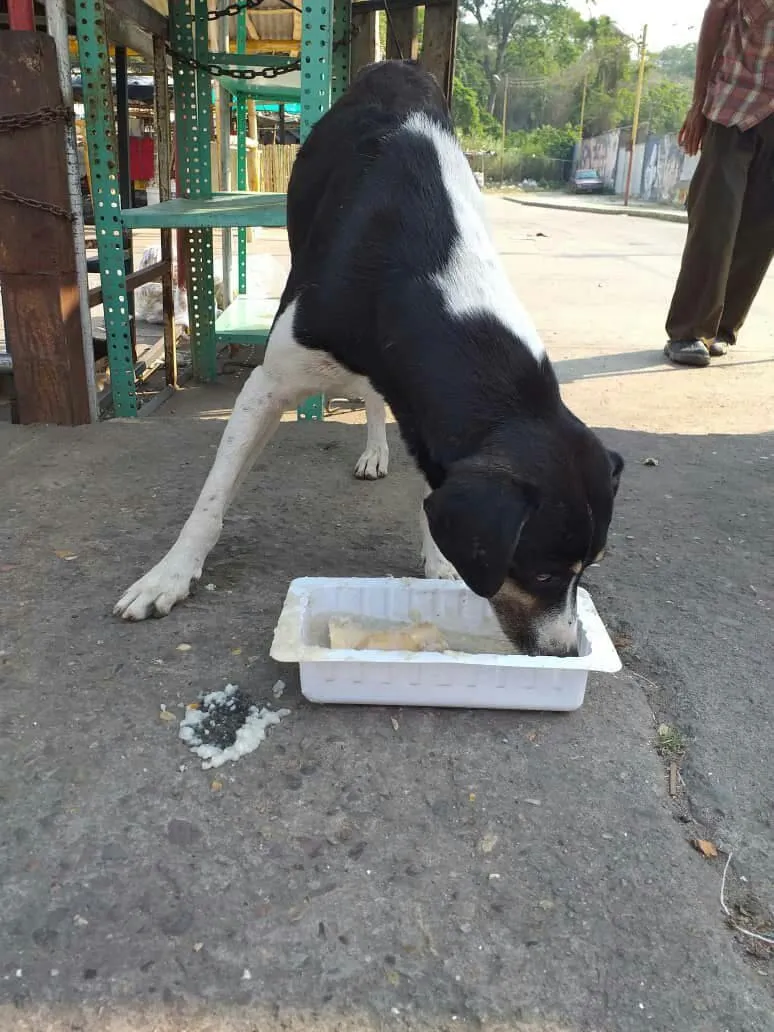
(149, 274)
(402, 34)
(361, 6)
(365, 42)
(438, 42)
(137, 12)
(38, 269)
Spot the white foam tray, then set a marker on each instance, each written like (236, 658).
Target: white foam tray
(429, 678)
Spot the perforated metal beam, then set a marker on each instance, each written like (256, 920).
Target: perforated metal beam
(103, 161)
(316, 64)
(241, 184)
(340, 55)
(192, 122)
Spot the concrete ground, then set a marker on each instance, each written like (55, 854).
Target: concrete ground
(366, 869)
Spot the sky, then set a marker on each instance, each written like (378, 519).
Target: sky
(670, 22)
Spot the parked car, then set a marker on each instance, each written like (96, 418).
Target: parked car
(587, 180)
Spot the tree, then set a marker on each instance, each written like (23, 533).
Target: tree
(552, 55)
(466, 110)
(498, 21)
(664, 105)
(677, 62)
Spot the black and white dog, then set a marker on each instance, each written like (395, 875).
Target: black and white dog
(396, 294)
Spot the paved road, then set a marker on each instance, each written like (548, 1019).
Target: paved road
(500, 872)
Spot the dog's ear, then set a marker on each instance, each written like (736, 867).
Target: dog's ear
(476, 518)
(616, 469)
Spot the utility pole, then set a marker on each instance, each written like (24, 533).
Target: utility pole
(505, 116)
(583, 108)
(636, 118)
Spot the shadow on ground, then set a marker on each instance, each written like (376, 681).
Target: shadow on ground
(496, 871)
(591, 367)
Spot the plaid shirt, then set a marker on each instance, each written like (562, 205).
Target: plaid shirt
(741, 89)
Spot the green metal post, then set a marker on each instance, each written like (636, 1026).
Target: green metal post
(241, 118)
(103, 160)
(340, 58)
(193, 127)
(316, 56)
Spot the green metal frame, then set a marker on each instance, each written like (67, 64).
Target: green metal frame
(340, 58)
(316, 79)
(201, 286)
(241, 120)
(103, 162)
(215, 212)
(197, 210)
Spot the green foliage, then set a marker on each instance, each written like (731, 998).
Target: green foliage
(677, 62)
(664, 105)
(466, 109)
(547, 141)
(546, 56)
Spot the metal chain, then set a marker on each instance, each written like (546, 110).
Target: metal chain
(27, 119)
(244, 74)
(248, 74)
(234, 9)
(30, 202)
(245, 5)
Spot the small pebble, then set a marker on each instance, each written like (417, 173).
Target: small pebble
(488, 842)
(278, 690)
(246, 976)
(184, 647)
(209, 587)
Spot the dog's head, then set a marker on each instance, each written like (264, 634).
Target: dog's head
(522, 519)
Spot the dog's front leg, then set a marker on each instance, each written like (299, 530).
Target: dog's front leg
(437, 566)
(255, 418)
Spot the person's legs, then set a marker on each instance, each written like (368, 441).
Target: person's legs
(715, 199)
(754, 247)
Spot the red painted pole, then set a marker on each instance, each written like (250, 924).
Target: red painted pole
(21, 15)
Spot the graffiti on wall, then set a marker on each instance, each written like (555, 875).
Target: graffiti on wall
(666, 172)
(601, 154)
(662, 171)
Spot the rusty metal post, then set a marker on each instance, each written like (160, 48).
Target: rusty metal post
(21, 15)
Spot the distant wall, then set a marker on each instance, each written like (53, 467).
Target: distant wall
(601, 154)
(661, 171)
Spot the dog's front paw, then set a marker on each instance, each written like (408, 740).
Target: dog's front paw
(157, 592)
(373, 463)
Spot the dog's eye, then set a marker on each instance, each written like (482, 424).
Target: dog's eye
(545, 578)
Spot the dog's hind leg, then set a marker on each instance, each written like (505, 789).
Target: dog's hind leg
(373, 463)
(287, 372)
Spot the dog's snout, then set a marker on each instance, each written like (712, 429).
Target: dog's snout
(536, 633)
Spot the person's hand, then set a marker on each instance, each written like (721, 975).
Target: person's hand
(692, 131)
